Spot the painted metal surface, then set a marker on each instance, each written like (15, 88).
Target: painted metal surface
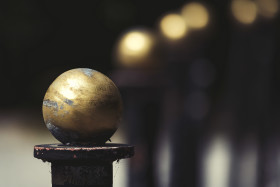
(82, 106)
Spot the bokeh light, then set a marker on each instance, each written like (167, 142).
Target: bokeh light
(173, 26)
(268, 8)
(244, 11)
(135, 47)
(196, 15)
(216, 162)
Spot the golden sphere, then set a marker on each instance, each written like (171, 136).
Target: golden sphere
(82, 106)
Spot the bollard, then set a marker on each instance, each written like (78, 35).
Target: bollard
(82, 109)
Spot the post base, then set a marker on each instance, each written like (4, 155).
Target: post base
(77, 166)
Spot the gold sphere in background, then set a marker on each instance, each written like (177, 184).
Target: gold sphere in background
(136, 48)
(196, 15)
(268, 8)
(173, 26)
(82, 106)
(244, 11)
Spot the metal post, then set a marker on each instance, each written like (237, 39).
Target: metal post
(77, 166)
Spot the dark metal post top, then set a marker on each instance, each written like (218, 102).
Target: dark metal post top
(106, 153)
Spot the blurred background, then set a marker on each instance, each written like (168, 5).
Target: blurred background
(199, 81)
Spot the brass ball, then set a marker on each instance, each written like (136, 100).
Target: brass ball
(82, 106)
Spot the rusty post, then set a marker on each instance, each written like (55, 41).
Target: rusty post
(87, 166)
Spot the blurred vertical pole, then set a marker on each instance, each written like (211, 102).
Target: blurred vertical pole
(186, 102)
(270, 150)
(248, 94)
(183, 132)
(215, 135)
(184, 110)
(141, 90)
(275, 101)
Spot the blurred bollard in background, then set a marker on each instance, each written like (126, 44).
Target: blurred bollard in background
(199, 81)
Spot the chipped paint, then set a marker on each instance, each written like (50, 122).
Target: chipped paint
(88, 72)
(69, 102)
(50, 104)
(61, 107)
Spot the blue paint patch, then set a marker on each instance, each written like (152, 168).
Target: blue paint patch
(61, 107)
(50, 104)
(88, 72)
(68, 101)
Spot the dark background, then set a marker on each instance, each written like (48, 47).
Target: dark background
(41, 39)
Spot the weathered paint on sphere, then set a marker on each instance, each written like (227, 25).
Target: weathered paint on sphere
(82, 106)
